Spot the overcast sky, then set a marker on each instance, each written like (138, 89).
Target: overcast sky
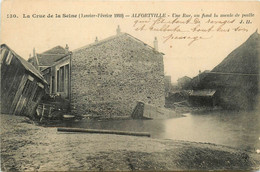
(180, 59)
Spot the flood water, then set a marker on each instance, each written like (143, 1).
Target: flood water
(236, 129)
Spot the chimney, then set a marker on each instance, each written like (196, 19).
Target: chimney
(155, 43)
(30, 55)
(118, 30)
(199, 75)
(96, 40)
(66, 49)
(34, 54)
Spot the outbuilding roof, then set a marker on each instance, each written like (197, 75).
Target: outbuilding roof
(48, 57)
(203, 93)
(29, 67)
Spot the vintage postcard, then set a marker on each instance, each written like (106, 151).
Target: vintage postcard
(130, 86)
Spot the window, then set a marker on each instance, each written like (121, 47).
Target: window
(67, 80)
(58, 80)
(52, 84)
(62, 79)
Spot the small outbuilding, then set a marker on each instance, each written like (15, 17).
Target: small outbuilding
(206, 97)
(22, 86)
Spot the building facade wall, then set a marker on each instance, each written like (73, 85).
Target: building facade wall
(58, 84)
(62, 69)
(167, 85)
(47, 76)
(109, 77)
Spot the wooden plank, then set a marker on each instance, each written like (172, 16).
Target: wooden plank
(145, 134)
(20, 105)
(42, 115)
(18, 94)
(26, 94)
(30, 106)
(9, 86)
(14, 79)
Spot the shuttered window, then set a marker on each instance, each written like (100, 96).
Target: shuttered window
(62, 79)
(58, 80)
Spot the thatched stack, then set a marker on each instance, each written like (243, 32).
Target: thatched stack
(237, 76)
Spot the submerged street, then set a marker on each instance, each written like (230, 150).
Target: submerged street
(27, 147)
(240, 130)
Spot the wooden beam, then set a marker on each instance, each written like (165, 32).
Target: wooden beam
(145, 134)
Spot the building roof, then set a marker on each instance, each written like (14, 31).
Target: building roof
(244, 59)
(55, 50)
(29, 67)
(195, 81)
(184, 78)
(114, 37)
(48, 59)
(239, 69)
(203, 93)
(50, 56)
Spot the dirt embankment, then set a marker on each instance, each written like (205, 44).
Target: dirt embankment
(26, 147)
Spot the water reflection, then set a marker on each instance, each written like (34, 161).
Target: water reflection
(235, 129)
(240, 130)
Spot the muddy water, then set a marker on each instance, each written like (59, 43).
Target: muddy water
(236, 129)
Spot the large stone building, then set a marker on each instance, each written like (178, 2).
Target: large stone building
(109, 76)
(167, 85)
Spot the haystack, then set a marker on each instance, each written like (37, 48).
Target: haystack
(237, 76)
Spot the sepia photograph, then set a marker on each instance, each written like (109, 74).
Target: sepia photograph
(130, 85)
